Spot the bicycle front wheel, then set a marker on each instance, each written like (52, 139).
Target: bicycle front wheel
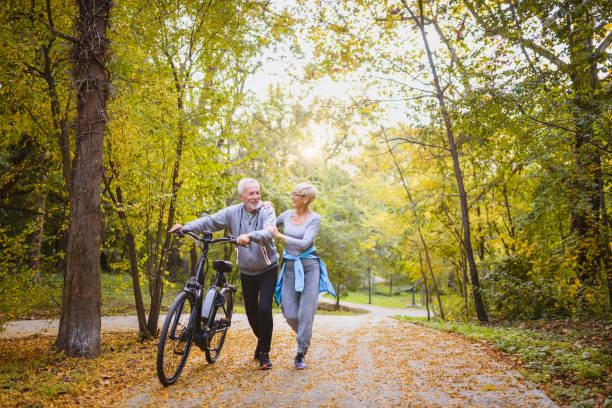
(175, 340)
(218, 325)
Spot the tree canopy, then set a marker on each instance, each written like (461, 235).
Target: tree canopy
(469, 154)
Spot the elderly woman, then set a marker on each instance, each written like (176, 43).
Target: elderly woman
(303, 275)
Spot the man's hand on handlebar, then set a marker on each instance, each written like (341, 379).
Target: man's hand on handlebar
(175, 227)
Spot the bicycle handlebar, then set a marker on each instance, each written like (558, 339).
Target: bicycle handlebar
(206, 237)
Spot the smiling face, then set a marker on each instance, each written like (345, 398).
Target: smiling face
(298, 199)
(250, 196)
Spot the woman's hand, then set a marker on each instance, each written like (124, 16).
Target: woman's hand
(273, 230)
(268, 204)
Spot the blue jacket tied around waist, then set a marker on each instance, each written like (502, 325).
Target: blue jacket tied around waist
(324, 283)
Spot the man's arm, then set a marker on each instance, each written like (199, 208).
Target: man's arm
(214, 222)
(263, 236)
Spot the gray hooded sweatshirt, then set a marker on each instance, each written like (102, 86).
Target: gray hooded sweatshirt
(261, 253)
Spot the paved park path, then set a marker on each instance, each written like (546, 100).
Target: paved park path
(369, 360)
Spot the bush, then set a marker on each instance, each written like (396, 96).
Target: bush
(514, 291)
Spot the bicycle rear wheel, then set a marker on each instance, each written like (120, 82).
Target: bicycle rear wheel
(218, 325)
(175, 340)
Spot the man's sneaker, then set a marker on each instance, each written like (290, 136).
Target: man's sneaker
(300, 363)
(264, 361)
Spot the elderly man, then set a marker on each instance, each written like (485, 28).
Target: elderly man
(257, 259)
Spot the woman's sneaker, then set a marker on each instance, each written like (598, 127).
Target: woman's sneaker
(264, 361)
(300, 364)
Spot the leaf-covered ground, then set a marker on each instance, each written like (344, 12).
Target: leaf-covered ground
(571, 359)
(364, 361)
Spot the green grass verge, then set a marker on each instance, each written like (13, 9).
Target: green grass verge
(117, 298)
(378, 299)
(572, 364)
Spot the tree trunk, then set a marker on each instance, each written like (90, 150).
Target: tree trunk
(465, 283)
(465, 217)
(140, 309)
(605, 232)
(37, 236)
(338, 298)
(417, 225)
(424, 284)
(157, 292)
(79, 328)
(134, 273)
(118, 201)
(587, 215)
(59, 122)
(174, 262)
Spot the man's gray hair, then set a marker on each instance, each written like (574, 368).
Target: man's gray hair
(244, 182)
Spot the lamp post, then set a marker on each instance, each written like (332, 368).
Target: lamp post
(369, 288)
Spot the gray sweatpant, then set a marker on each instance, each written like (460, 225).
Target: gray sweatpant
(299, 308)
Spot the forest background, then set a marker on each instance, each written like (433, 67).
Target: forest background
(468, 151)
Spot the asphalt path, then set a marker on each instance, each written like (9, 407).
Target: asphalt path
(366, 360)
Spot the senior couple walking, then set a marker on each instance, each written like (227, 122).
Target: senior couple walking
(302, 276)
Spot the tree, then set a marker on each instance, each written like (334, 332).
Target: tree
(173, 137)
(79, 330)
(420, 21)
(573, 37)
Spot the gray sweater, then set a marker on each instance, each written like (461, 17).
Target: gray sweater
(299, 237)
(261, 253)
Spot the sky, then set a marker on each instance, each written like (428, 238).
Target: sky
(281, 67)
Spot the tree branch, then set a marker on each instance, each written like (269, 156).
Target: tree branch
(58, 33)
(605, 43)
(20, 209)
(407, 140)
(516, 37)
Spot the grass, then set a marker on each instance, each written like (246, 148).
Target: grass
(570, 359)
(380, 299)
(118, 298)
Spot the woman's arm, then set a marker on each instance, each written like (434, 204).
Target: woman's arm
(280, 221)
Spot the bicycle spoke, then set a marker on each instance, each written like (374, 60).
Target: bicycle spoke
(175, 340)
(218, 327)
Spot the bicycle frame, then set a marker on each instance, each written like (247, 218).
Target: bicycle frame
(204, 304)
(209, 318)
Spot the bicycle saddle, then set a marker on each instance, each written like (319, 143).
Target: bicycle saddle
(222, 266)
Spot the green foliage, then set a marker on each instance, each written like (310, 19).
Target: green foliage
(515, 292)
(178, 101)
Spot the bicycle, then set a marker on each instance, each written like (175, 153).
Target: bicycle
(197, 315)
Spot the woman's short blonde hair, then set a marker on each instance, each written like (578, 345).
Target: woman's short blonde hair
(307, 190)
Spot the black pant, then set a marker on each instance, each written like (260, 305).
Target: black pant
(258, 292)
